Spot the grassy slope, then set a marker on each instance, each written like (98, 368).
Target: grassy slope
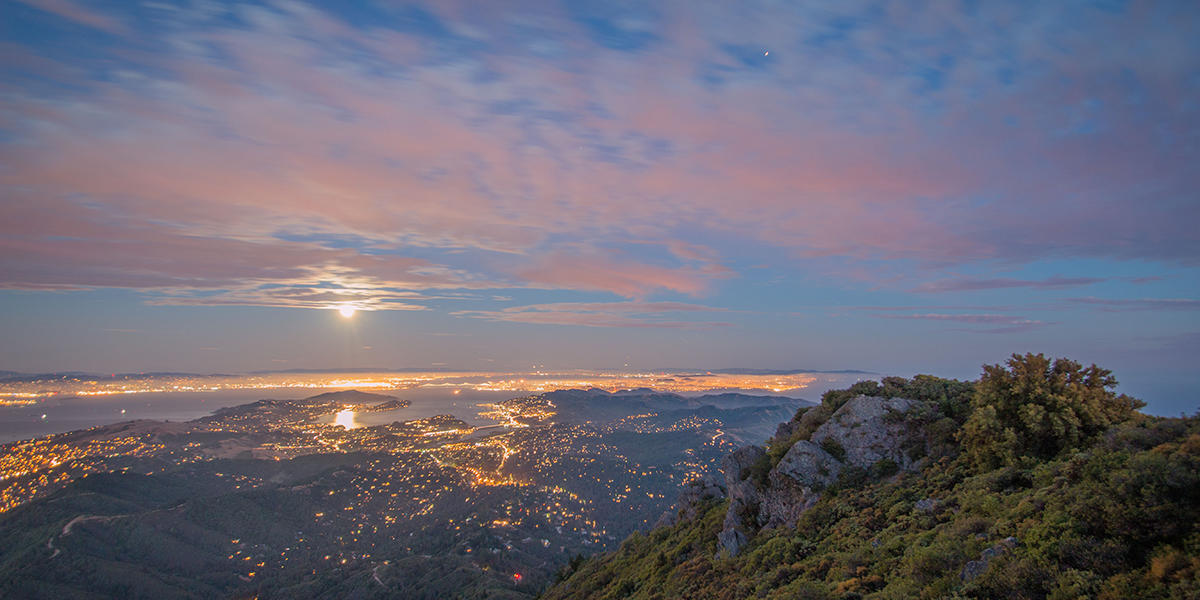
(1116, 520)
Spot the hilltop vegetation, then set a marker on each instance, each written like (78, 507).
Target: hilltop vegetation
(1037, 481)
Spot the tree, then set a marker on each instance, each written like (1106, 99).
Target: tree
(1039, 408)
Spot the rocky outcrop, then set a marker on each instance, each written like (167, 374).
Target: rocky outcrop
(693, 494)
(864, 429)
(737, 465)
(976, 568)
(860, 433)
(807, 464)
(732, 539)
(927, 505)
(786, 429)
(743, 497)
(795, 484)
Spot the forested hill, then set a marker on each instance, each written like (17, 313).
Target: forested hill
(1036, 481)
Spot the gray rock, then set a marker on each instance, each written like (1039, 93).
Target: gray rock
(743, 497)
(732, 540)
(795, 483)
(808, 465)
(782, 503)
(785, 430)
(973, 569)
(744, 491)
(926, 505)
(976, 568)
(736, 465)
(686, 505)
(734, 529)
(863, 429)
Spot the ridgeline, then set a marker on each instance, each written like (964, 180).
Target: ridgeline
(1036, 481)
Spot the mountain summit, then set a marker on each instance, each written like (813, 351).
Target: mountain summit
(1036, 481)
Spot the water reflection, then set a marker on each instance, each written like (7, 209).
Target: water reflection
(345, 418)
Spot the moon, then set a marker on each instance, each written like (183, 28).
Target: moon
(345, 418)
(346, 311)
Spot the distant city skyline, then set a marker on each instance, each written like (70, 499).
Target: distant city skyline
(236, 187)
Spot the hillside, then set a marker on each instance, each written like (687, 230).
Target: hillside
(270, 500)
(1036, 481)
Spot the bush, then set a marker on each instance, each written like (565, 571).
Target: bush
(884, 467)
(834, 448)
(1038, 408)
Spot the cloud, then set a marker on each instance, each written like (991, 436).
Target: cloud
(622, 277)
(964, 318)
(967, 284)
(566, 148)
(1119, 305)
(624, 26)
(1006, 323)
(634, 314)
(295, 296)
(80, 15)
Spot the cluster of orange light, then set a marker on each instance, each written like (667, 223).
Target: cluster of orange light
(23, 393)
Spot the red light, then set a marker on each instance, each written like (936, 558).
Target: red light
(517, 576)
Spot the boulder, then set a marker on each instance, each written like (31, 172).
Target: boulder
(976, 568)
(795, 483)
(743, 496)
(732, 540)
(973, 569)
(808, 465)
(864, 429)
(785, 430)
(782, 503)
(736, 465)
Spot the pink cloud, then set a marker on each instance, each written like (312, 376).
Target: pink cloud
(970, 284)
(625, 278)
(636, 314)
(140, 182)
(78, 14)
(1118, 304)
(1001, 323)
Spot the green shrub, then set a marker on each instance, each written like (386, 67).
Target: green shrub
(834, 448)
(1038, 408)
(884, 467)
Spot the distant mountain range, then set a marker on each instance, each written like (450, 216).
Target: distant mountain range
(24, 377)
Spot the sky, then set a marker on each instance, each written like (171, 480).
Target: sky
(896, 187)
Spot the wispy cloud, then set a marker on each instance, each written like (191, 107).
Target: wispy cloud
(968, 284)
(633, 314)
(623, 277)
(295, 297)
(444, 149)
(1000, 323)
(79, 14)
(1118, 305)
